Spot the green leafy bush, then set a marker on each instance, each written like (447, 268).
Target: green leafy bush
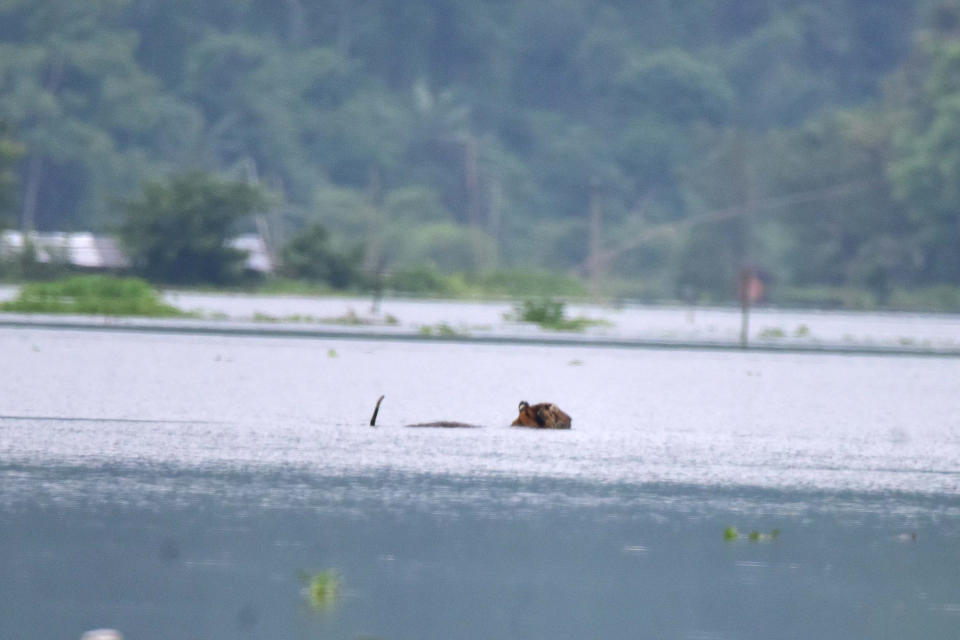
(425, 280)
(526, 282)
(178, 229)
(549, 314)
(311, 256)
(98, 295)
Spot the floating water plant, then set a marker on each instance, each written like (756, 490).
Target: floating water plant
(322, 588)
(441, 329)
(772, 333)
(350, 318)
(757, 536)
(731, 533)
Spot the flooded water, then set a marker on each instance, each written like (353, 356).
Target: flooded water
(177, 486)
(695, 324)
(629, 322)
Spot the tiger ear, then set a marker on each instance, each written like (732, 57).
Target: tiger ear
(523, 405)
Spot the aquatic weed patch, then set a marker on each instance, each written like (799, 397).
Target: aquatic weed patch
(550, 314)
(322, 589)
(731, 533)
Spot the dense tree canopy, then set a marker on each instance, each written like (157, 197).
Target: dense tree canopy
(178, 230)
(657, 145)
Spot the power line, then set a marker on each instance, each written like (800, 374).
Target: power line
(727, 213)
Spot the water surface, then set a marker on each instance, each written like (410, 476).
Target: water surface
(174, 486)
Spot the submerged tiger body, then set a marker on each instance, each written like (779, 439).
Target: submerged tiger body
(544, 415)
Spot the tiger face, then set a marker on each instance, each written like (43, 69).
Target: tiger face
(544, 415)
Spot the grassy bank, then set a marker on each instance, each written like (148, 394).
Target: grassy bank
(94, 295)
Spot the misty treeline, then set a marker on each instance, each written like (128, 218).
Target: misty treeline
(653, 148)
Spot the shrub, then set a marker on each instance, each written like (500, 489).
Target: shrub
(549, 314)
(178, 230)
(309, 255)
(425, 280)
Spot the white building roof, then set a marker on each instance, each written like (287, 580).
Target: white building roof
(85, 249)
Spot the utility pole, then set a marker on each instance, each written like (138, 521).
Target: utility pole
(744, 291)
(373, 261)
(28, 212)
(594, 266)
(750, 288)
(471, 180)
(496, 211)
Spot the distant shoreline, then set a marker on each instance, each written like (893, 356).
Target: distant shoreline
(379, 333)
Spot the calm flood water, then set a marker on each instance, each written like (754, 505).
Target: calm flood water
(174, 486)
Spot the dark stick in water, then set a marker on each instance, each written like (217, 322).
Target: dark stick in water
(376, 410)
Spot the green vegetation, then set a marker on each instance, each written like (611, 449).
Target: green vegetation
(178, 230)
(426, 280)
(349, 318)
(441, 329)
(732, 533)
(99, 295)
(430, 281)
(655, 147)
(772, 333)
(309, 256)
(549, 314)
(322, 588)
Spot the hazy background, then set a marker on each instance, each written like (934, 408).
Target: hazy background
(649, 148)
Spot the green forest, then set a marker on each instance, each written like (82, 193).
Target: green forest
(648, 149)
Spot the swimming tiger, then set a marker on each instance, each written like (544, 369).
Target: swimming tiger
(545, 415)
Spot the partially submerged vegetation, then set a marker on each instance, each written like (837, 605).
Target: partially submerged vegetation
(550, 314)
(95, 295)
(350, 318)
(442, 330)
(731, 533)
(776, 333)
(770, 333)
(426, 280)
(322, 588)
